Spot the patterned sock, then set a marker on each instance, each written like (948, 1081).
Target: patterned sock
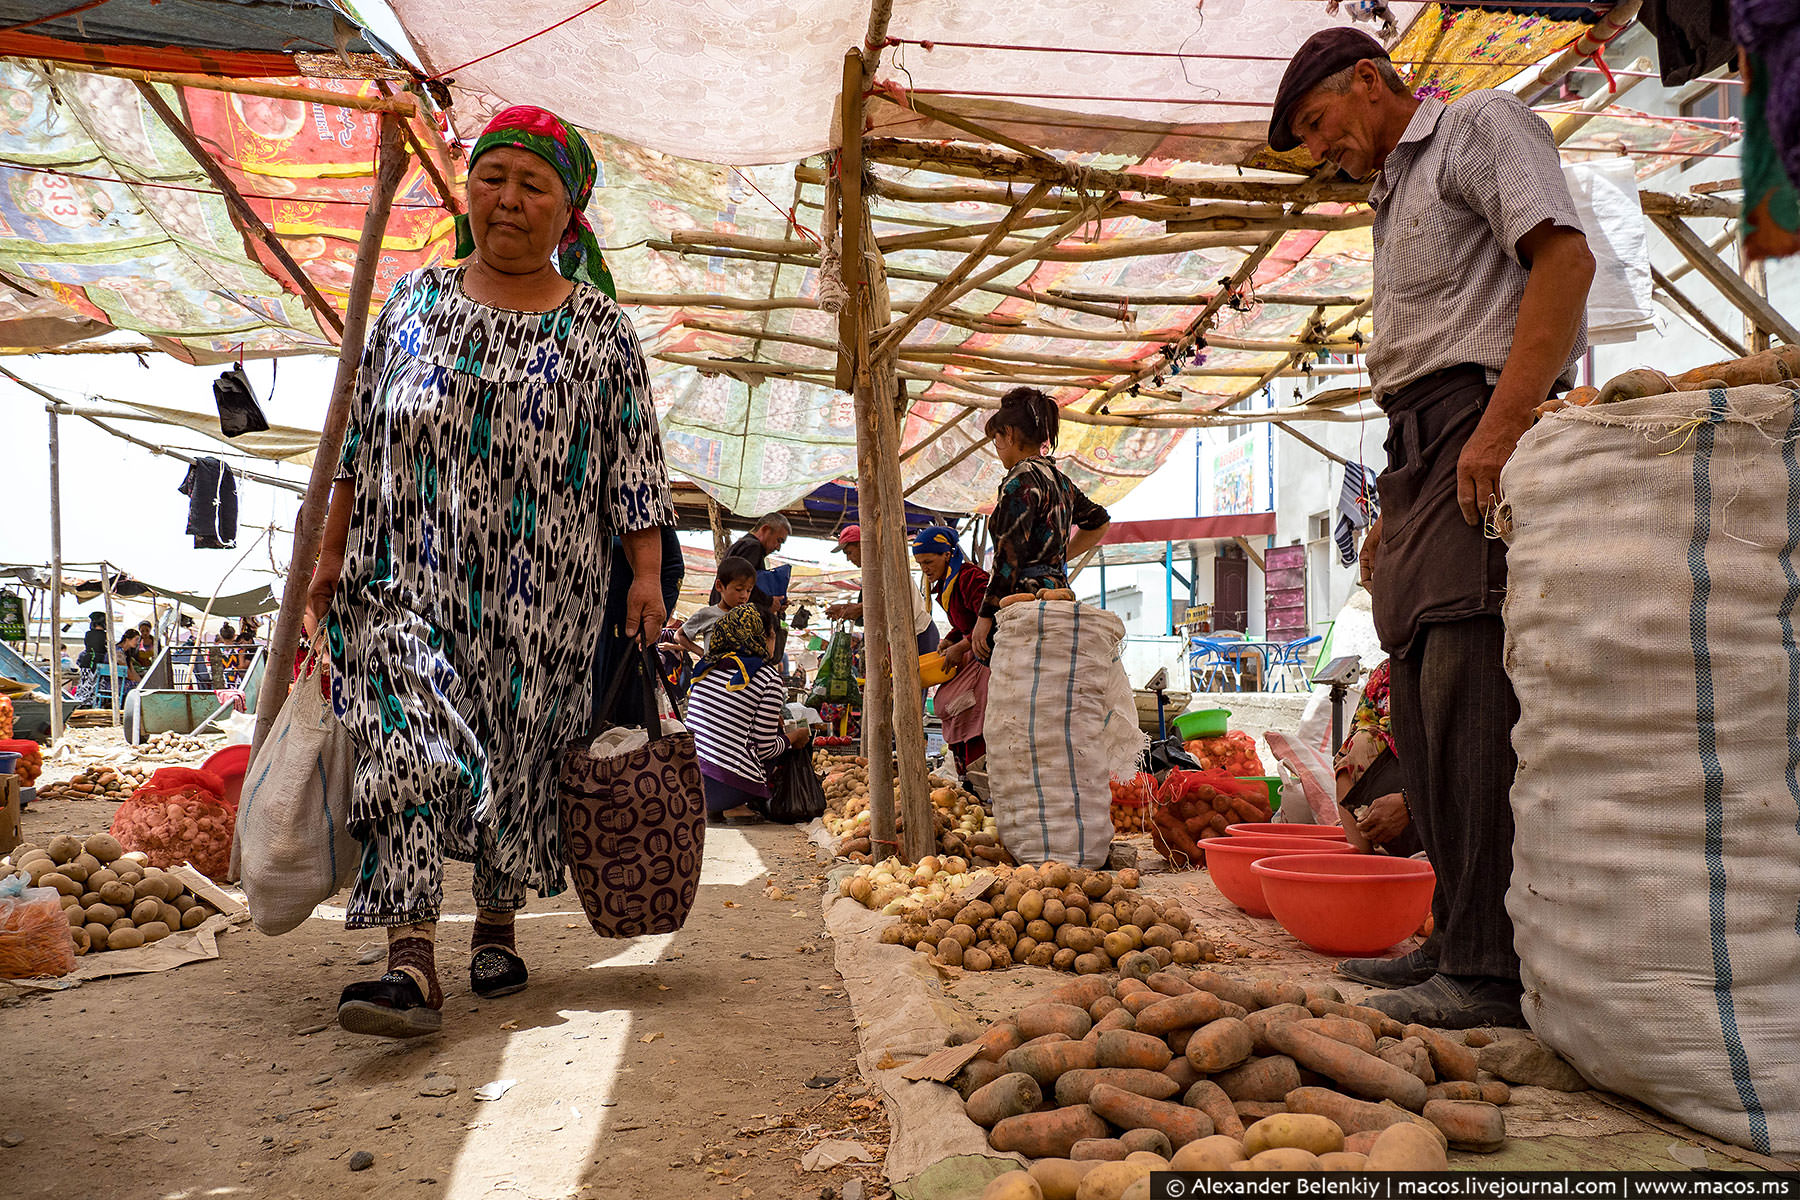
(492, 929)
(413, 953)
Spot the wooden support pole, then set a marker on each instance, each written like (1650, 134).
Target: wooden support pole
(878, 683)
(1680, 299)
(955, 121)
(1729, 283)
(240, 209)
(1757, 280)
(56, 581)
(876, 389)
(1350, 318)
(309, 522)
(446, 193)
(115, 685)
(396, 105)
(715, 518)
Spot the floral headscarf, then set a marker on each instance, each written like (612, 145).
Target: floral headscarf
(738, 645)
(941, 539)
(542, 132)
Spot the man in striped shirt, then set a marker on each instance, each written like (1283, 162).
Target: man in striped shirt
(1481, 277)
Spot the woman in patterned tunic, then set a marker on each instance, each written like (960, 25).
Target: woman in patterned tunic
(1036, 506)
(501, 434)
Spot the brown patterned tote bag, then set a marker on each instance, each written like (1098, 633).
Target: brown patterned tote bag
(634, 824)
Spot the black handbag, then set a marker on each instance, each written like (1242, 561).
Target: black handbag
(634, 824)
(795, 793)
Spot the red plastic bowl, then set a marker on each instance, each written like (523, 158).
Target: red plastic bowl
(1228, 860)
(230, 764)
(1283, 829)
(1347, 904)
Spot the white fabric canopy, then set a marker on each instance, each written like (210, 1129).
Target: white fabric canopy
(755, 81)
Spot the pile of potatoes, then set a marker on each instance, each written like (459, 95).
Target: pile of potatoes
(964, 828)
(104, 782)
(1057, 916)
(114, 900)
(895, 887)
(172, 746)
(1183, 1070)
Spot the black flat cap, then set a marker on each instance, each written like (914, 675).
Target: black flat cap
(1321, 56)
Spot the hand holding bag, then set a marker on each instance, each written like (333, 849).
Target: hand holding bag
(292, 850)
(634, 824)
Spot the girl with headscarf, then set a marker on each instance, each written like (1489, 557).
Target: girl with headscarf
(735, 714)
(959, 586)
(500, 436)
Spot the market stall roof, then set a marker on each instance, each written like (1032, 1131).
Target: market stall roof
(216, 37)
(1168, 269)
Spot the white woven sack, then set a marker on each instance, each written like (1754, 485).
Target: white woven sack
(1651, 636)
(292, 851)
(1061, 724)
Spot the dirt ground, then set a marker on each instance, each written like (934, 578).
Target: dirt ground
(703, 1064)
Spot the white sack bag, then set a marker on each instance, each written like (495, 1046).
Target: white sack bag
(1061, 724)
(292, 850)
(1651, 622)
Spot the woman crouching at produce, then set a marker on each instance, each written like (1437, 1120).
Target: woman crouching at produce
(500, 436)
(959, 586)
(1036, 507)
(735, 714)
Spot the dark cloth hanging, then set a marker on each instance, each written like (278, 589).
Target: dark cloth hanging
(212, 504)
(239, 413)
(1693, 37)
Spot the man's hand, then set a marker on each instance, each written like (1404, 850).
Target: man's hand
(956, 654)
(1483, 456)
(1386, 818)
(1370, 547)
(983, 638)
(644, 610)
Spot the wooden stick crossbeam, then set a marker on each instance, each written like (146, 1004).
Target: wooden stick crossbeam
(1043, 250)
(988, 163)
(240, 208)
(1729, 283)
(971, 448)
(397, 105)
(1680, 299)
(1349, 318)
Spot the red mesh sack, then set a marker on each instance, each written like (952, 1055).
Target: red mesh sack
(34, 932)
(180, 815)
(1192, 806)
(1131, 800)
(1232, 753)
(31, 759)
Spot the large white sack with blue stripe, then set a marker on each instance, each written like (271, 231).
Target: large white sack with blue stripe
(1651, 622)
(1061, 724)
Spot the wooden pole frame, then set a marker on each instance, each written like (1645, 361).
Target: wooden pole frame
(387, 105)
(1727, 282)
(309, 522)
(240, 208)
(56, 581)
(1673, 293)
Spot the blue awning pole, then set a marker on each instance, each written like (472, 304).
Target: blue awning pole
(1169, 586)
(1103, 577)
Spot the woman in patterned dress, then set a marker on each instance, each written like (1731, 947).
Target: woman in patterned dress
(501, 435)
(1036, 507)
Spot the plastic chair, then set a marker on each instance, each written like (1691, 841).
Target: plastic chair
(1208, 665)
(1291, 663)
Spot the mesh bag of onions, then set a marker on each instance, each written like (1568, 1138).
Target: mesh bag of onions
(180, 815)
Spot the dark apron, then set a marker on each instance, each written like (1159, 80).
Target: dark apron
(1432, 566)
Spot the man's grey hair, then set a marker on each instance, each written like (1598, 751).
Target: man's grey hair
(776, 522)
(1339, 83)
